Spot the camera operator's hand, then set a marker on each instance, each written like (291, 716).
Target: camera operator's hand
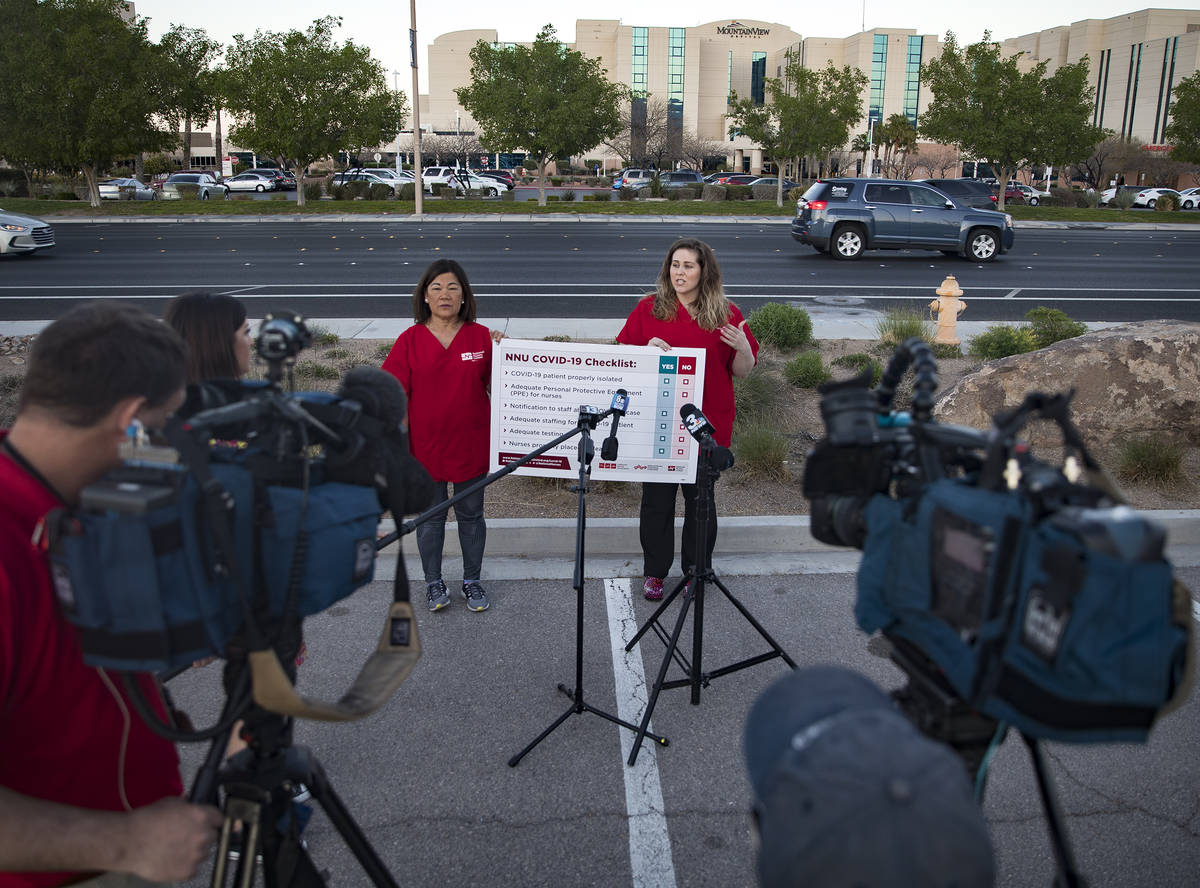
(168, 840)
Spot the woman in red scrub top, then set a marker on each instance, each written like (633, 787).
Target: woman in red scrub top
(444, 362)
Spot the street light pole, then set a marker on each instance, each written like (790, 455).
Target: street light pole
(416, 112)
(400, 124)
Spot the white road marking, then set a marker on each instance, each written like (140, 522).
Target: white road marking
(1196, 610)
(1012, 293)
(649, 840)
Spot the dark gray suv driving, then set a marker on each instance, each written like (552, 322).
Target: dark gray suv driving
(845, 217)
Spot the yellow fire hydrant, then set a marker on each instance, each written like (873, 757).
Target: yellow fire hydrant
(948, 306)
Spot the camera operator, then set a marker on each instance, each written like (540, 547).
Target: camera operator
(848, 794)
(688, 310)
(85, 786)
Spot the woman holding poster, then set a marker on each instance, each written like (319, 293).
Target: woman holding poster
(444, 362)
(688, 310)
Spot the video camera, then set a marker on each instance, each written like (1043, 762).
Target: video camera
(1023, 589)
(262, 510)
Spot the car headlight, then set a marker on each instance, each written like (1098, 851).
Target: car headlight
(9, 227)
(1007, 221)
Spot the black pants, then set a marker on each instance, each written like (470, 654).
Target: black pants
(657, 528)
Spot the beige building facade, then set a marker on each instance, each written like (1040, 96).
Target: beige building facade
(1135, 60)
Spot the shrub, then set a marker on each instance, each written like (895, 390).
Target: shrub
(313, 191)
(780, 325)
(556, 337)
(383, 349)
(673, 194)
(760, 450)
(187, 190)
(1088, 199)
(339, 192)
(278, 197)
(898, 325)
(758, 394)
(737, 192)
(550, 197)
(408, 191)
(313, 370)
(157, 164)
(655, 189)
(1002, 340)
(336, 354)
(569, 194)
(1151, 460)
(556, 181)
(796, 193)
(685, 193)
(379, 191)
(1049, 325)
(763, 192)
(859, 362)
(358, 188)
(65, 195)
(10, 388)
(805, 370)
(713, 192)
(625, 193)
(323, 335)
(944, 351)
(1122, 200)
(1166, 203)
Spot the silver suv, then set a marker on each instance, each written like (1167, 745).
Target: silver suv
(845, 217)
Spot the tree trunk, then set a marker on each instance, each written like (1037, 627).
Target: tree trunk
(542, 161)
(28, 181)
(139, 167)
(298, 169)
(89, 173)
(187, 142)
(221, 144)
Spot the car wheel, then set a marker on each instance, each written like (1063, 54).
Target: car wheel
(258, 188)
(982, 245)
(1033, 201)
(204, 195)
(154, 195)
(1187, 204)
(1151, 202)
(848, 242)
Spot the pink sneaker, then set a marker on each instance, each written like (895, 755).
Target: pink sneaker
(652, 589)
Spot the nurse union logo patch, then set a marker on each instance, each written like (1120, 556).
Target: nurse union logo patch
(471, 356)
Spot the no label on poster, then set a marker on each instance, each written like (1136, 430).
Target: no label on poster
(538, 388)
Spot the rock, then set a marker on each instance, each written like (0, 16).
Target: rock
(1133, 380)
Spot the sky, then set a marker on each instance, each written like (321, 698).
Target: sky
(384, 26)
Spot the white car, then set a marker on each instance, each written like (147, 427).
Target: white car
(117, 189)
(23, 235)
(1189, 198)
(1106, 196)
(250, 182)
(365, 176)
(467, 180)
(1149, 197)
(206, 186)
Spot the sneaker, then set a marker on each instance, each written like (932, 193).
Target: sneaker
(476, 597)
(437, 595)
(652, 589)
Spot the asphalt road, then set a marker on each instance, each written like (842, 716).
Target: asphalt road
(427, 777)
(590, 269)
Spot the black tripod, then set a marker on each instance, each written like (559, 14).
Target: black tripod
(587, 422)
(258, 785)
(692, 586)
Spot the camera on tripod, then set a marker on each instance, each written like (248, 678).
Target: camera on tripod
(1024, 589)
(185, 547)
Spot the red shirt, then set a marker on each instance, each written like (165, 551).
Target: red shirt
(61, 729)
(684, 332)
(449, 412)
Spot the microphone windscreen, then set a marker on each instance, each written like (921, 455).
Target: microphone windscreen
(608, 450)
(380, 394)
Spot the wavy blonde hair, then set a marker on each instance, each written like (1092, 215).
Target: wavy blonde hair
(712, 308)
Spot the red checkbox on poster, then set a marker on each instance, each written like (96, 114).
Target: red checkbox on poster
(684, 395)
(679, 452)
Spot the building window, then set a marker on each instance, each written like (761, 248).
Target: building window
(675, 59)
(912, 83)
(758, 77)
(878, 74)
(641, 41)
(729, 89)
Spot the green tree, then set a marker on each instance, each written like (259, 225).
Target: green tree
(299, 96)
(82, 91)
(898, 137)
(983, 103)
(187, 79)
(809, 113)
(1183, 130)
(544, 99)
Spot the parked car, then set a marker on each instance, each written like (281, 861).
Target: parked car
(206, 186)
(1108, 195)
(126, 189)
(1017, 193)
(386, 173)
(673, 180)
(363, 176)
(23, 235)
(788, 184)
(466, 180)
(251, 182)
(735, 178)
(285, 180)
(634, 177)
(1150, 196)
(846, 217)
(1189, 198)
(976, 193)
(500, 176)
(436, 175)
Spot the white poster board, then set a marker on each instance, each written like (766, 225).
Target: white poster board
(538, 388)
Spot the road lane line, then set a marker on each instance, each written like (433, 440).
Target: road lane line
(1196, 610)
(1011, 293)
(649, 840)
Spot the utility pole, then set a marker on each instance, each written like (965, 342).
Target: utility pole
(399, 124)
(416, 112)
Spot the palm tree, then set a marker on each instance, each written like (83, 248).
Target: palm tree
(861, 145)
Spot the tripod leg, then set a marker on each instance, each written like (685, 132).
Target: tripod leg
(658, 611)
(339, 815)
(750, 619)
(658, 682)
(1068, 873)
(516, 759)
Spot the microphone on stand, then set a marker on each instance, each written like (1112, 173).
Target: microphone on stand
(701, 429)
(620, 404)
